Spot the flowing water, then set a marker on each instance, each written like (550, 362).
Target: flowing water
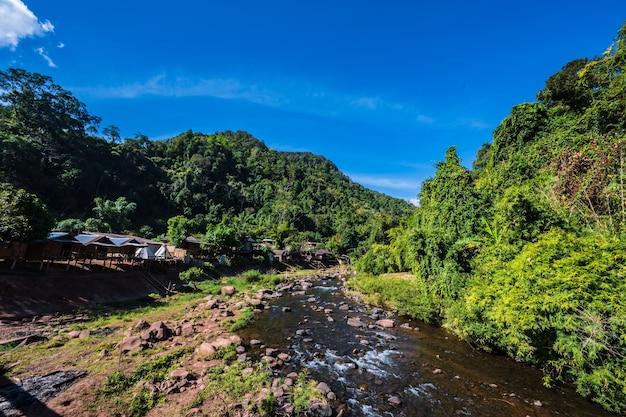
(402, 371)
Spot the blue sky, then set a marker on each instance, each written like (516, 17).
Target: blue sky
(381, 88)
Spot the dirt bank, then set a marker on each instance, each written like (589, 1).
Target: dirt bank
(27, 295)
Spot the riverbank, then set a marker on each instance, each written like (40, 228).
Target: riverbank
(175, 356)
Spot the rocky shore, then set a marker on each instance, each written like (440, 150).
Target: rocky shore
(200, 329)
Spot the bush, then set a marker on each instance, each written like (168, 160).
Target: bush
(252, 275)
(193, 275)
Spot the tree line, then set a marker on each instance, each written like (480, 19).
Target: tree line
(221, 187)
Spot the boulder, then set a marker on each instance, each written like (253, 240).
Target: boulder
(394, 400)
(187, 329)
(222, 342)
(142, 325)
(131, 344)
(227, 290)
(206, 349)
(179, 374)
(323, 388)
(355, 322)
(73, 334)
(385, 323)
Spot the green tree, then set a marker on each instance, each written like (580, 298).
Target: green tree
(75, 226)
(222, 239)
(32, 105)
(112, 133)
(178, 229)
(23, 217)
(115, 213)
(192, 276)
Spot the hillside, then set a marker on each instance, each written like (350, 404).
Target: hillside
(227, 183)
(524, 254)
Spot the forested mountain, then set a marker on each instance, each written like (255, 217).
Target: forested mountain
(525, 254)
(222, 186)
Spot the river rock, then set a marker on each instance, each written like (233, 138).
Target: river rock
(255, 302)
(355, 322)
(73, 334)
(394, 400)
(321, 409)
(157, 332)
(187, 329)
(142, 325)
(131, 344)
(227, 290)
(179, 374)
(323, 388)
(385, 323)
(206, 349)
(222, 342)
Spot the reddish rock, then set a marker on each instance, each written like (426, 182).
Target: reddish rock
(394, 400)
(385, 323)
(187, 329)
(142, 325)
(206, 349)
(73, 334)
(355, 322)
(323, 388)
(227, 290)
(222, 342)
(131, 344)
(179, 374)
(157, 332)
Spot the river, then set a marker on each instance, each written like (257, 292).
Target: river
(410, 370)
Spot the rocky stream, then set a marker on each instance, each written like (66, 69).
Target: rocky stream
(379, 364)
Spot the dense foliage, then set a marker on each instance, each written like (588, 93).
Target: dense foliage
(220, 187)
(524, 254)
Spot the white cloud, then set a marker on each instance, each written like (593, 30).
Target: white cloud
(295, 95)
(161, 85)
(366, 102)
(387, 182)
(474, 124)
(18, 22)
(422, 118)
(41, 51)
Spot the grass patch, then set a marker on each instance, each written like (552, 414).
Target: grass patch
(118, 388)
(405, 294)
(245, 317)
(234, 383)
(304, 392)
